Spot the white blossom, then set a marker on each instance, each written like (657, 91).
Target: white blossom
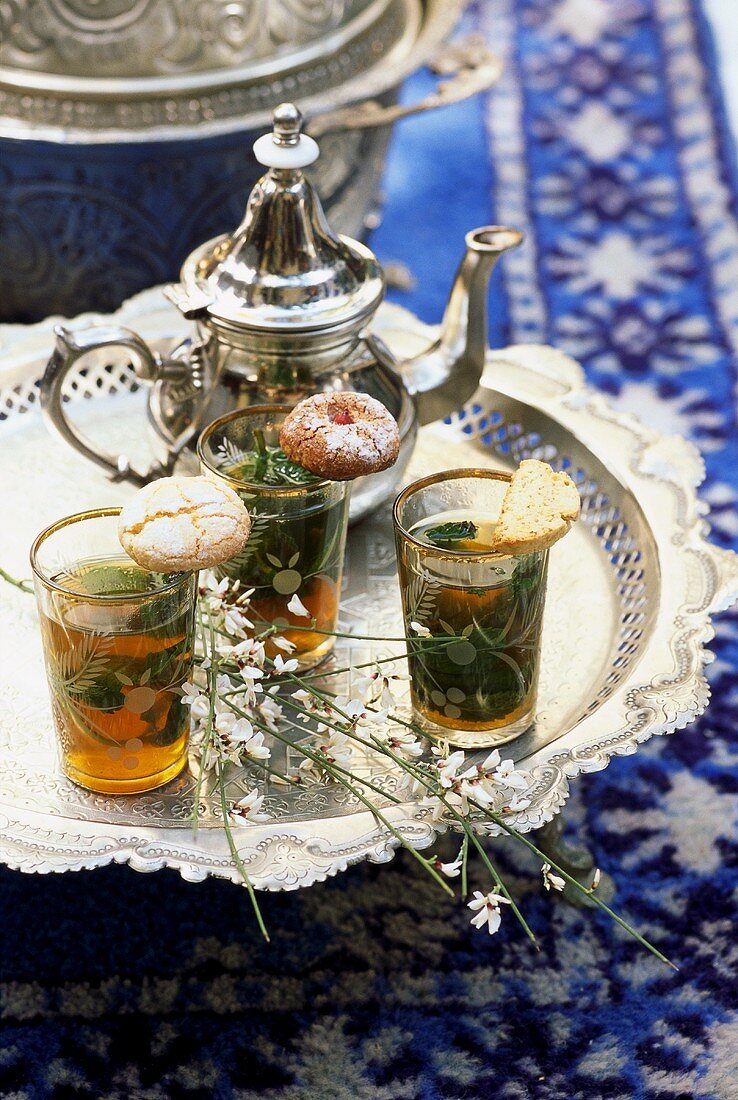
(374, 717)
(433, 803)
(517, 804)
(550, 880)
(225, 719)
(223, 684)
(270, 711)
(253, 687)
(486, 909)
(420, 630)
(351, 708)
(387, 701)
(214, 590)
(241, 730)
(451, 870)
(376, 687)
(247, 652)
(490, 762)
(248, 808)
(335, 746)
(363, 686)
(283, 643)
(297, 607)
(477, 789)
(281, 666)
(200, 704)
(236, 623)
(505, 773)
(253, 745)
(405, 744)
(448, 768)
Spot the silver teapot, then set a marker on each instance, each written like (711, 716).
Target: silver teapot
(282, 308)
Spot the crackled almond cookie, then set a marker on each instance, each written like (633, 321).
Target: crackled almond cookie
(178, 524)
(540, 506)
(341, 436)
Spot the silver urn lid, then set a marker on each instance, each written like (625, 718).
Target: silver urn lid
(283, 270)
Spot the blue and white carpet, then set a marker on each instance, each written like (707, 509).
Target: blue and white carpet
(606, 143)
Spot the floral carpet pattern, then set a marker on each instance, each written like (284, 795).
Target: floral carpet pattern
(606, 143)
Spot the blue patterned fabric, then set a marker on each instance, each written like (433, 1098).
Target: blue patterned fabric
(606, 143)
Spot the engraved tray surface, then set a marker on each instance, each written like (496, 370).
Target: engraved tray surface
(627, 617)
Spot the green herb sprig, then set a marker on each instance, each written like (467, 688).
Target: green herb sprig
(444, 533)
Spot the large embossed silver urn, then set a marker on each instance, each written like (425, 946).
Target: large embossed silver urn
(126, 125)
(282, 307)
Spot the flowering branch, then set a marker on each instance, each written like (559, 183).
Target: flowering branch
(456, 793)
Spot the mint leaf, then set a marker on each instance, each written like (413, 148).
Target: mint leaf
(444, 533)
(271, 466)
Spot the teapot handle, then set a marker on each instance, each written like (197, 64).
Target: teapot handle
(468, 66)
(73, 344)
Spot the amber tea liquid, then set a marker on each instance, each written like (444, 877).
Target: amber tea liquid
(116, 671)
(478, 669)
(297, 550)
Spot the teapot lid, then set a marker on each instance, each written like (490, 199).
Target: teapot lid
(284, 268)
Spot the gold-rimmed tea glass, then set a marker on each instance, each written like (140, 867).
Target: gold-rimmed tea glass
(473, 615)
(298, 533)
(118, 644)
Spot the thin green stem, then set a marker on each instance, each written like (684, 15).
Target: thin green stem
(318, 758)
(314, 629)
(498, 820)
(427, 782)
(464, 860)
(337, 771)
(234, 852)
(320, 673)
(23, 585)
(267, 768)
(420, 773)
(501, 885)
(212, 676)
(491, 815)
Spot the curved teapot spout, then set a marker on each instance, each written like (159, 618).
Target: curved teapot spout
(445, 375)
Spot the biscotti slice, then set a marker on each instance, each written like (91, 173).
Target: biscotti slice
(539, 507)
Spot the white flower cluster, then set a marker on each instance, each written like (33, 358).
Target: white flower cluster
(494, 784)
(228, 722)
(229, 725)
(224, 734)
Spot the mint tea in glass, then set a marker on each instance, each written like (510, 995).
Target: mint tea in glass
(473, 616)
(118, 645)
(298, 533)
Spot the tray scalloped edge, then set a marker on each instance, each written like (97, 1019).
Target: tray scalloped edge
(666, 690)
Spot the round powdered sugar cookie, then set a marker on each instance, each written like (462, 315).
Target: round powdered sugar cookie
(178, 524)
(341, 436)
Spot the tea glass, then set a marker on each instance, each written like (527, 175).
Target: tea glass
(298, 535)
(473, 619)
(118, 644)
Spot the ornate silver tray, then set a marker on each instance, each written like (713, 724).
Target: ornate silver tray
(627, 619)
